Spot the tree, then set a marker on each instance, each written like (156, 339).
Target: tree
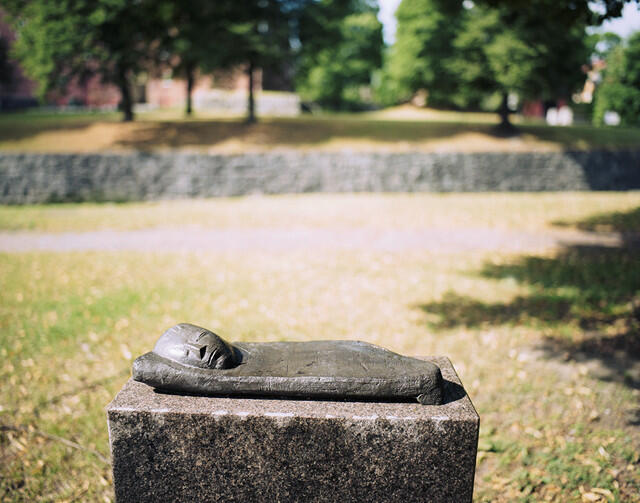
(67, 39)
(566, 12)
(604, 43)
(423, 49)
(620, 89)
(521, 52)
(6, 68)
(463, 53)
(196, 39)
(261, 35)
(338, 57)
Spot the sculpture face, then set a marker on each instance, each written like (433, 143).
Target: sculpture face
(195, 347)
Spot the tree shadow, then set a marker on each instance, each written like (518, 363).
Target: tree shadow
(461, 311)
(23, 129)
(301, 131)
(312, 131)
(612, 358)
(625, 222)
(581, 137)
(586, 297)
(148, 136)
(507, 130)
(287, 133)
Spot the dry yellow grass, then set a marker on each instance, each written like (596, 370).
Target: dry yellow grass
(389, 130)
(555, 425)
(371, 211)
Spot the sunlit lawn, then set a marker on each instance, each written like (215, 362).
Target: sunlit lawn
(372, 211)
(393, 130)
(541, 342)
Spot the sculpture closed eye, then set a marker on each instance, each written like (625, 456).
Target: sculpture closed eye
(196, 347)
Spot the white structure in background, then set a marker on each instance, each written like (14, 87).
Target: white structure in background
(562, 116)
(272, 103)
(611, 118)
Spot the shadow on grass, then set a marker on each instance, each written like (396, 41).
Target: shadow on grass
(23, 129)
(271, 132)
(314, 131)
(300, 131)
(585, 136)
(588, 297)
(150, 134)
(625, 222)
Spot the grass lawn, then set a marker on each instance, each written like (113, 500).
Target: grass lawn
(372, 211)
(547, 345)
(389, 130)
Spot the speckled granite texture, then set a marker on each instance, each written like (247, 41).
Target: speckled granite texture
(185, 448)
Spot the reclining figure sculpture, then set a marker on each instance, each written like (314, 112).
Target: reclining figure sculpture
(193, 360)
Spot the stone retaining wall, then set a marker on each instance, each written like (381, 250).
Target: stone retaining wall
(43, 178)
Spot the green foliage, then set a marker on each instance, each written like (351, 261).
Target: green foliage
(604, 43)
(195, 31)
(566, 13)
(260, 32)
(73, 39)
(424, 47)
(335, 72)
(620, 90)
(261, 35)
(465, 55)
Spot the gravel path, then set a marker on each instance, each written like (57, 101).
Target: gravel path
(279, 239)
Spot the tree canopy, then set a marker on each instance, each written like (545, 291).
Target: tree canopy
(463, 53)
(422, 54)
(194, 34)
(341, 47)
(566, 12)
(115, 39)
(620, 88)
(67, 39)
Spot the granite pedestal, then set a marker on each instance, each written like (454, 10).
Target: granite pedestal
(187, 448)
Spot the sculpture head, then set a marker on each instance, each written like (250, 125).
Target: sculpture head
(196, 347)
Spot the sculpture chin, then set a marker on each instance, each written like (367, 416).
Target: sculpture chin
(195, 346)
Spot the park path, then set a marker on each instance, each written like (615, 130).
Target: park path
(285, 239)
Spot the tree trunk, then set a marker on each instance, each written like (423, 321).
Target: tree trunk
(126, 103)
(504, 112)
(505, 128)
(251, 105)
(190, 80)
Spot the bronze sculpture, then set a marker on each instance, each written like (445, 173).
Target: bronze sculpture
(193, 360)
